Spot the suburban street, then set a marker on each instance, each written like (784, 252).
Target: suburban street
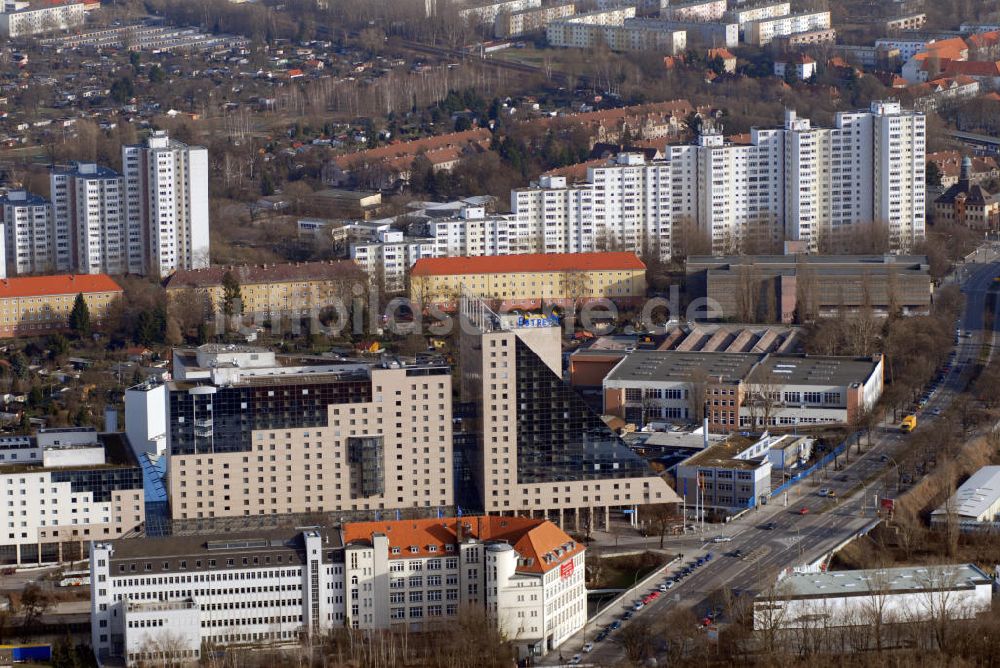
(800, 538)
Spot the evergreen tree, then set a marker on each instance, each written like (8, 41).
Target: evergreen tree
(231, 295)
(79, 317)
(19, 365)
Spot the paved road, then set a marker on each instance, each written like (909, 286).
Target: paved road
(803, 538)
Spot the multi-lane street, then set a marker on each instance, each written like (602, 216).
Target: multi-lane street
(801, 527)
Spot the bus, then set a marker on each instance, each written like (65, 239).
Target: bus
(908, 424)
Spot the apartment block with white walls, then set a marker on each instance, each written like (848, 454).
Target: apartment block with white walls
(28, 236)
(88, 218)
(167, 205)
(795, 182)
(19, 22)
(763, 31)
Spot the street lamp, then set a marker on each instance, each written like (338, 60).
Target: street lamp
(899, 473)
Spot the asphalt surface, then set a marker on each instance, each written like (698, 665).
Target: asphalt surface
(806, 526)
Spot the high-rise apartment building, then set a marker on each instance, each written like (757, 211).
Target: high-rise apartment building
(823, 186)
(899, 170)
(249, 433)
(88, 216)
(536, 446)
(166, 185)
(28, 234)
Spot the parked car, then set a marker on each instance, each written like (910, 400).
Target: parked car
(588, 648)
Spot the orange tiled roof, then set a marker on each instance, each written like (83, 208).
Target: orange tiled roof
(63, 284)
(954, 48)
(992, 97)
(720, 52)
(532, 539)
(534, 262)
(984, 39)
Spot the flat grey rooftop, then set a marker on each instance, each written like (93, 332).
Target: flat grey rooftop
(888, 580)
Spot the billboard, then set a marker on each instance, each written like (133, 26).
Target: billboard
(566, 569)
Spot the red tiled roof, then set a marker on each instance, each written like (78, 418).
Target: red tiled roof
(992, 97)
(675, 108)
(535, 262)
(532, 539)
(63, 284)
(413, 148)
(975, 68)
(253, 274)
(577, 171)
(949, 162)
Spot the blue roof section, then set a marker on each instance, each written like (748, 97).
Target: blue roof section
(30, 199)
(152, 478)
(81, 169)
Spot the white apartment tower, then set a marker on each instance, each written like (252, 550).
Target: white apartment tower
(900, 155)
(88, 220)
(28, 234)
(798, 182)
(167, 205)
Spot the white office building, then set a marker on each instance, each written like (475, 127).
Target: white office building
(727, 477)
(89, 220)
(167, 205)
(28, 234)
(167, 598)
(63, 488)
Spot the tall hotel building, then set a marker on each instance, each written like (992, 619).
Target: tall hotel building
(249, 433)
(534, 447)
(166, 185)
(818, 185)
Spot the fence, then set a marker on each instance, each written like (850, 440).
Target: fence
(826, 459)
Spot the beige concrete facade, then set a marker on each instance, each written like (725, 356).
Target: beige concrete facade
(301, 470)
(490, 380)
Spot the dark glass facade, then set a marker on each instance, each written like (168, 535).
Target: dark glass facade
(558, 436)
(365, 455)
(224, 420)
(100, 481)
